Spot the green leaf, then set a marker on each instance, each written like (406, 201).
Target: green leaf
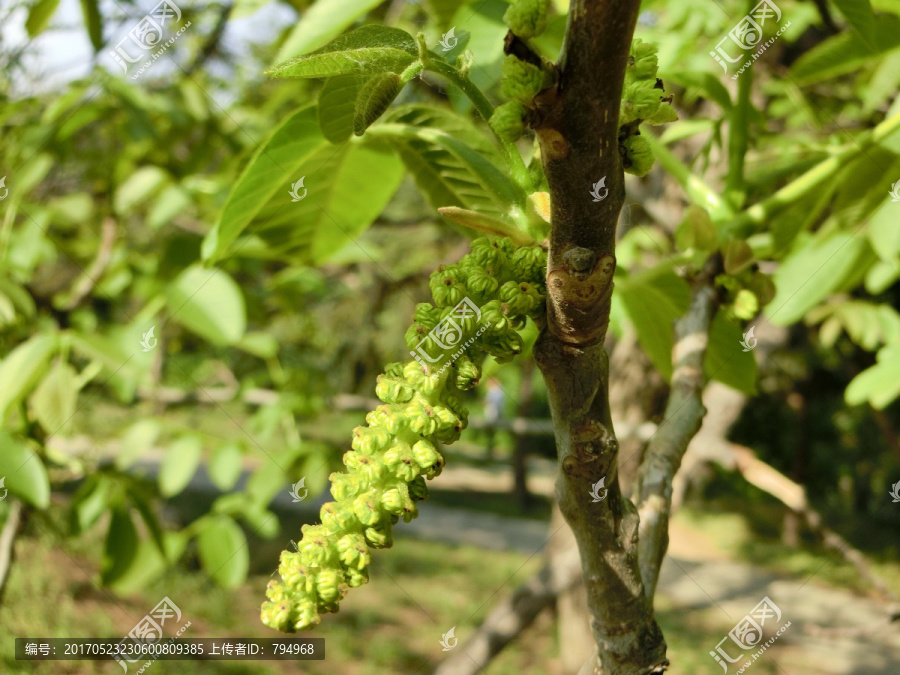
(845, 52)
(225, 466)
(374, 98)
(369, 48)
(726, 360)
(653, 300)
(22, 471)
(813, 272)
(138, 188)
(737, 256)
(21, 368)
(39, 16)
(209, 303)
(884, 233)
(707, 83)
(123, 374)
(53, 402)
(348, 191)
(89, 503)
(859, 14)
(148, 564)
(322, 22)
(879, 385)
(93, 22)
(259, 343)
(149, 517)
(451, 162)
(337, 106)
(487, 224)
(264, 522)
(223, 551)
(120, 549)
(179, 465)
(273, 164)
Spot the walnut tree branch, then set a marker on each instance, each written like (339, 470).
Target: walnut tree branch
(683, 417)
(576, 122)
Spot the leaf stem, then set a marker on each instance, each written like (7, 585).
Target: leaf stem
(697, 191)
(747, 222)
(485, 109)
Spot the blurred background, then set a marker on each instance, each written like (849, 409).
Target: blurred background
(166, 428)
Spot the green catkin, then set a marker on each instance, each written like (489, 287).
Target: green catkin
(393, 455)
(643, 100)
(527, 18)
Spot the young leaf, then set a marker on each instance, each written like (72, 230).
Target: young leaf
(223, 551)
(225, 466)
(273, 164)
(120, 549)
(22, 367)
(653, 300)
(350, 188)
(725, 359)
(879, 385)
(23, 471)
(369, 48)
(859, 14)
(53, 402)
(89, 503)
(39, 15)
(179, 465)
(374, 97)
(93, 22)
(486, 224)
(815, 270)
(337, 106)
(323, 21)
(209, 303)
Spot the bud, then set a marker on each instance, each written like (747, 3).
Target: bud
(344, 485)
(522, 81)
(389, 417)
(379, 536)
(353, 551)
(642, 62)
(276, 615)
(746, 305)
(316, 545)
(367, 509)
(638, 158)
(529, 263)
(356, 578)
(427, 314)
(418, 490)
(329, 583)
(527, 18)
(370, 468)
(390, 390)
(305, 615)
(370, 440)
(508, 121)
(425, 454)
(338, 518)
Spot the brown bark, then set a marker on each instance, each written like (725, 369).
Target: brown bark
(577, 126)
